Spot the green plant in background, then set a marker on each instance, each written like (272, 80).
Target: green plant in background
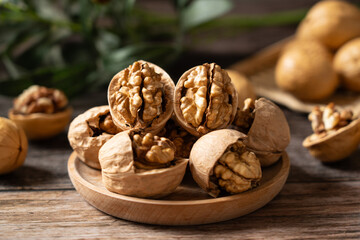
(78, 45)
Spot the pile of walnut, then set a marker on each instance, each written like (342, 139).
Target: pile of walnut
(324, 54)
(336, 133)
(143, 140)
(42, 112)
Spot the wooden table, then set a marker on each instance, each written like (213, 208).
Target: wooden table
(319, 201)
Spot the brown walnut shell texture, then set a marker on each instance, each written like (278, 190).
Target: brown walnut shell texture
(269, 133)
(167, 98)
(80, 136)
(347, 64)
(205, 153)
(120, 175)
(222, 82)
(332, 23)
(336, 146)
(305, 70)
(42, 125)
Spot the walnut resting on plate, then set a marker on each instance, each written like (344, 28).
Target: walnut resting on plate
(140, 165)
(141, 97)
(42, 112)
(221, 163)
(205, 99)
(336, 133)
(266, 127)
(89, 131)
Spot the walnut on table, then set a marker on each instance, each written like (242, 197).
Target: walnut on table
(42, 112)
(336, 133)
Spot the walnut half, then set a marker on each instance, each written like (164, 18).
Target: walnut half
(89, 131)
(205, 99)
(141, 97)
(336, 133)
(221, 163)
(140, 165)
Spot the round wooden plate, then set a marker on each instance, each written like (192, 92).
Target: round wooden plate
(188, 205)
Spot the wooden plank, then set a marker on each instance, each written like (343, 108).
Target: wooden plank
(300, 211)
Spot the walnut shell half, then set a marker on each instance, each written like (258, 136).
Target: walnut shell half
(131, 165)
(220, 162)
(336, 135)
(42, 125)
(141, 97)
(89, 131)
(266, 127)
(205, 99)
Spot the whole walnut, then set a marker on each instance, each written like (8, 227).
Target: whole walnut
(141, 165)
(331, 22)
(13, 146)
(205, 99)
(347, 64)
(266, 127)
(221, 163)
(305, 70)
(89, 131)
(42, 112)
(141, 97)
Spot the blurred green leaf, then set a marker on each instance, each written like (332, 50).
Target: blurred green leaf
(202, 11)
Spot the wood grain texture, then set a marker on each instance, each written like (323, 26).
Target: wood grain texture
(301, 210)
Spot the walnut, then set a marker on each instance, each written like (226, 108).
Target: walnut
(205, 99)
(42, 112)
(221, 163)
(182, 140)
(336, 133)
(13, 146)
(141, 97)
(141, 165)
(266, 127)
(332, 23)
(89, 131)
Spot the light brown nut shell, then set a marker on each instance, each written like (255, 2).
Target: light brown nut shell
(178, 113)
(305, 70)
(242, 85)
(347, 64)
(86, 146)
(205, 153)
(119, 174)
(42, 125)
(13, 146)
(158, 123)
(331, 22)
(269, 133)
(336, 146)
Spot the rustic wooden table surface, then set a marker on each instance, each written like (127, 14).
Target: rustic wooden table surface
(318, 201)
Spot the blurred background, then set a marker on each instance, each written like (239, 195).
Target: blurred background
(78, 45)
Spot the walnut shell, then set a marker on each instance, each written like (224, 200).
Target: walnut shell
(336, 146)
(205, 99)
(347, 64)
(141, 97)
(81, 135)
(242, 85)
(332, 23)
(305, 70)
(13, 146)
(268, 131)
(120, 174)
(42, 125)
(206, 153)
